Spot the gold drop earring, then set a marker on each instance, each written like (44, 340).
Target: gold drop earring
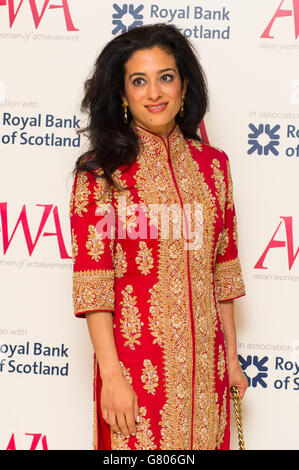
(182, 106)
(125, 106)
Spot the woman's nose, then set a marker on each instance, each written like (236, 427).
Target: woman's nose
(154, 90)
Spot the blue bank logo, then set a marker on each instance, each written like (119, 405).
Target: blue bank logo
(263, 139)
(126, 17)
(255, 370)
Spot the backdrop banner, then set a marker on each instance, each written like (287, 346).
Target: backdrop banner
(249, 51)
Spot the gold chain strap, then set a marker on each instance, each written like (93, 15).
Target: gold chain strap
(237, 405)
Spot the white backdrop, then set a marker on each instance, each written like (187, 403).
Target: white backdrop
(249, 50)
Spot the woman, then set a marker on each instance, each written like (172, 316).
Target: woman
(159, 307)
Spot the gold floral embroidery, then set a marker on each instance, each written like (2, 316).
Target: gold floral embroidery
(156, 313)
(119, 179)
(196, 144)
(94, 243)
(126, 372)
(218, 177)
(206, 319)
(131, 217)
(74, 245)
(235, 230)
(223, 241)
(155, 179)
(230, 202)
(144, 435)
(102, 192)
(93, 290)
(81, 195)
(172, 332)
(229, 280)
(119, 441)
(130, 322)
(120, 262)
(221, 363)
(126, 211)
(104, 209)
(149, 376)
(222, 420)
(144, 258)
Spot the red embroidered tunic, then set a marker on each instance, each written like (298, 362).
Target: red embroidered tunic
(160, 255)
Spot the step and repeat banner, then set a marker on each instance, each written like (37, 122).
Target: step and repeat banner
(249, 50)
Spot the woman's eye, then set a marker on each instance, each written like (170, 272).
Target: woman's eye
(167, 78)
(138, 81)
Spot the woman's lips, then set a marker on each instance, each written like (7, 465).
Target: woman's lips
(157, 108)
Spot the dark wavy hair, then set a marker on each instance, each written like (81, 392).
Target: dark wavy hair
(112, 142)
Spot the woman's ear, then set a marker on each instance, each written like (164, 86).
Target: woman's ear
(184, 87)
(124, 100)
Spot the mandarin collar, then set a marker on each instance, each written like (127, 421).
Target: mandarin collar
(156, 142)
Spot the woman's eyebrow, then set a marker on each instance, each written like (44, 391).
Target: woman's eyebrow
(159, 71)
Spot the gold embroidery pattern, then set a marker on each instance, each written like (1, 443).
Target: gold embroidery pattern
(206, 317)
(222, 420)
(130, 323)
(149, 377)
(218, 177)
(74, 245)
(230, 202)
(235, 230)
(144, 435)
(156, 313)
(144, 258)
(104, 208)
(130, 218)
(126, 210)
(93, 290)
(81, 196)
(169, 319)
(126, 372)
(197, 144)
(102, 193)
(229, 280)
(120, 261)
(221, 363)
(120, 180)
(119, 441)
(223, 241)
(94, 243)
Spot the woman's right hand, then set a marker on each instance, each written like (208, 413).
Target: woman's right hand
(119, 404)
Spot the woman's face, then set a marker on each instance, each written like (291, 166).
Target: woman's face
(153, 89)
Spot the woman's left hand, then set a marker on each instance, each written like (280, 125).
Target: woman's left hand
(237, 377)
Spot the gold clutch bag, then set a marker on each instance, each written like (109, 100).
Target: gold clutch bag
(238, 413)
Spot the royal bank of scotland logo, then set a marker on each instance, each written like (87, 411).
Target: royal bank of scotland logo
(255, 370)
(263, 139)
(126, 17)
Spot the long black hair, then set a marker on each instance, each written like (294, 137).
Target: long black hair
(112, 142)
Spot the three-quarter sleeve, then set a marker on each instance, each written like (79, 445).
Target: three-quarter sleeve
(229, 282)
(92, 245)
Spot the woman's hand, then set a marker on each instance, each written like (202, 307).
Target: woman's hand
(235, 373)
(237, 377)
(119, 404)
